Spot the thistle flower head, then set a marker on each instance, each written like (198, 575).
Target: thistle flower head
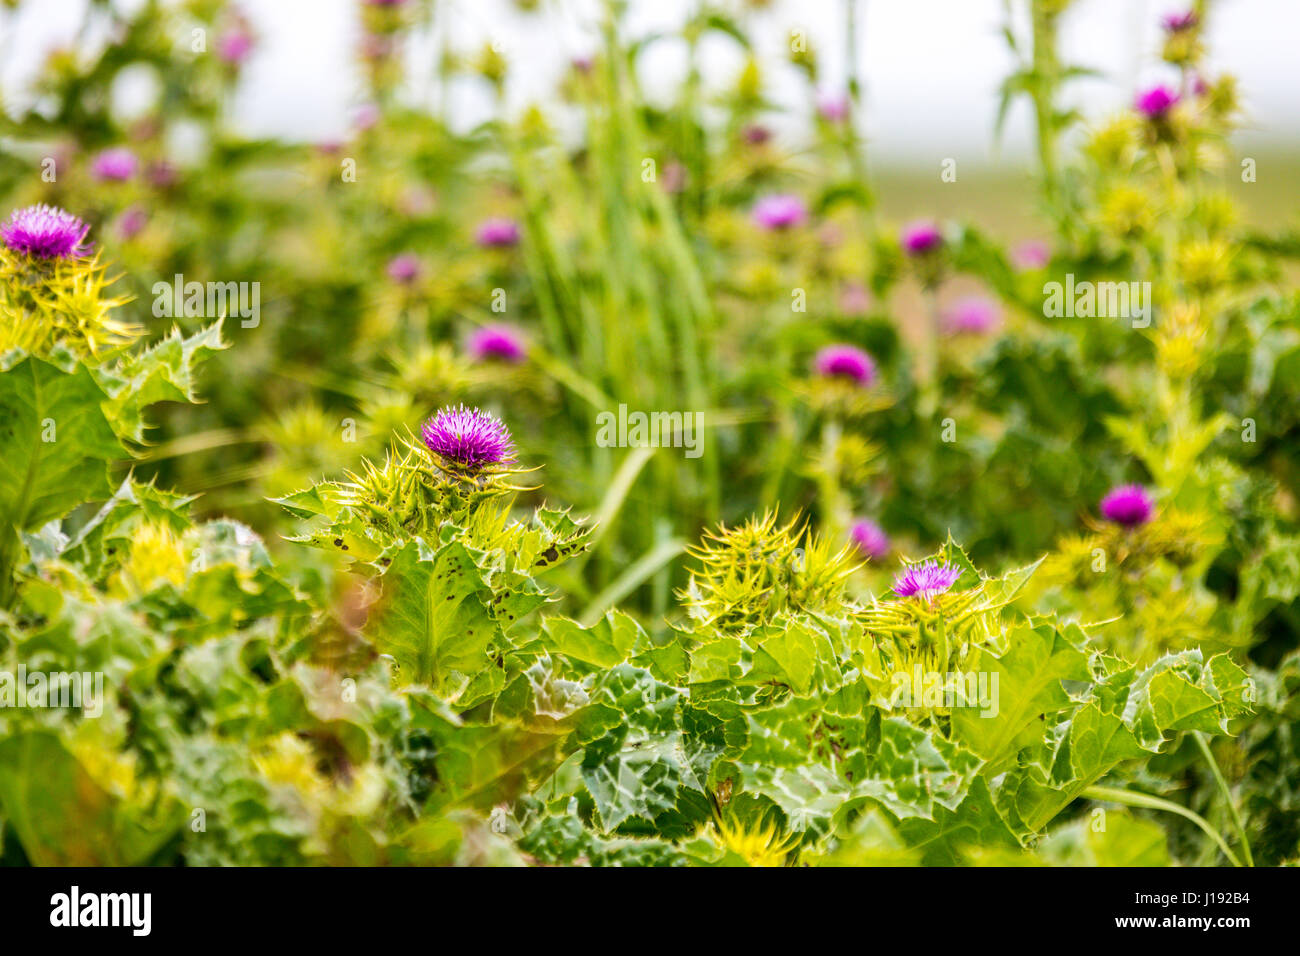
(974, 316)
(833, 107)
(921, 237)
(44, 232)
(131, 221)
(162, 174)
(755, 134)
(1129, 505)
(468, 437)
(114, 165)
(870, 539)
(1032, 254)
(780, 211)
(500, 342)
(498, 233)
(1178, 22)
(366, 116)
(404, 268)
(855, 299)
(847, 362)
(926, 580)
(1156, 102)
(234, 45)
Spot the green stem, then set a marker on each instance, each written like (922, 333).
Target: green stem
(10, 550)
(1131, 799)
(1227, 795)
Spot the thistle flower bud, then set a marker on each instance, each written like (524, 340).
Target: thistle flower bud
(780, 211)
(498, 233)
(114, 165)
(870, 539)
(846, 362)
(1156, 102)
(404, 268)
(972, 316)
(497, 342)
(1129, 505)
(921, 237)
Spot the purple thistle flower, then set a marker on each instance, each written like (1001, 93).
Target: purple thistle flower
(855, 299)
(870, 539)
(755, 134)
(234, 45)
(973, 315)
(1033, 254)
(1156, 102)
(114, 165)
(674, 180)
(161, 174)
(44, 232)
(469, 437)
(926, 579)
(833, 107)
(846, 361)
(780, 211)
(366, 116)
(498, 233)
(1129, 505)
(921, 237)
(131, 222)
(1178, 22)
(499, 342)
(404, 268)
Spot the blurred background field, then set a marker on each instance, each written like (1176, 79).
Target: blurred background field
(659, 294)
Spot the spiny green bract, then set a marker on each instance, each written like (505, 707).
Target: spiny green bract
(44, 302)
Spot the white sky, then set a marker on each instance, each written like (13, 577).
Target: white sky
(931, 67)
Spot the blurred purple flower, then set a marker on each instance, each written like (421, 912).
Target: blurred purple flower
(1032, 254)
(115, 165)
(404, 267)
(973, 315)
(1156, 102)
(131, 222)
(674, 180)
(500, 342)
(44, 232)
(1129, 505)
(1177, 22)
(366, 116)
(870, 539)
(376, 47)
(756, 134)
(583, 62)
(161, 174)
(921, 237)
(846, 361)
(855, 299)
(926, 579)
(468, 437)
(498, 233)
(780, 211)
(234, 45)
(833, 107)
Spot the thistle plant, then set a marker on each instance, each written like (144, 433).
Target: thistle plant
(754, 571)
(52, 293)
